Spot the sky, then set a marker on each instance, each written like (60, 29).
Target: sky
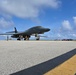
(58, 15)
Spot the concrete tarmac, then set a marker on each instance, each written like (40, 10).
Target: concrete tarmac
(16, 56)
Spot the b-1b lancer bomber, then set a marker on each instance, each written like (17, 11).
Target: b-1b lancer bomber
(34, 31)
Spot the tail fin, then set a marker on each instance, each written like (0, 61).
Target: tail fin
(15, 30)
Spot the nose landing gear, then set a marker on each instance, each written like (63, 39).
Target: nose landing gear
(37, 37)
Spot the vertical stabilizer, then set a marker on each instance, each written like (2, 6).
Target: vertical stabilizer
(15, 30)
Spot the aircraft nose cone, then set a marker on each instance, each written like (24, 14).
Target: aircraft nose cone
(47, 29)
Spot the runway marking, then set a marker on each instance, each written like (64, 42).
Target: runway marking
(66, 68)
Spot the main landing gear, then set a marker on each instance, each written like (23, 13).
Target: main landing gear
(20, 37)
(26, 37)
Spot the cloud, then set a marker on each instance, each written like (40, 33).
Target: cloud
(4, 24)
(74, 18)
(66, 25)
(26, 8)
(74, 35)
(67, 29)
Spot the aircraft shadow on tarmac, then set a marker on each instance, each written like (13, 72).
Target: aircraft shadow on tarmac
(44, 67)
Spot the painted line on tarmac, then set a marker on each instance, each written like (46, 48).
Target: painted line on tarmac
(66, 68)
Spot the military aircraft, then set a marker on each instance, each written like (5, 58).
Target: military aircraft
(33, 31)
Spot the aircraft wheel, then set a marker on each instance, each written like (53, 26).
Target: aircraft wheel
(37, 39)
(24, 38)
(18, 39)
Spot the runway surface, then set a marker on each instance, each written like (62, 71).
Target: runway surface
(33, 57)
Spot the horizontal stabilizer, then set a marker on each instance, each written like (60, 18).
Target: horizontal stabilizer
(11, 32)
(15, 31)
